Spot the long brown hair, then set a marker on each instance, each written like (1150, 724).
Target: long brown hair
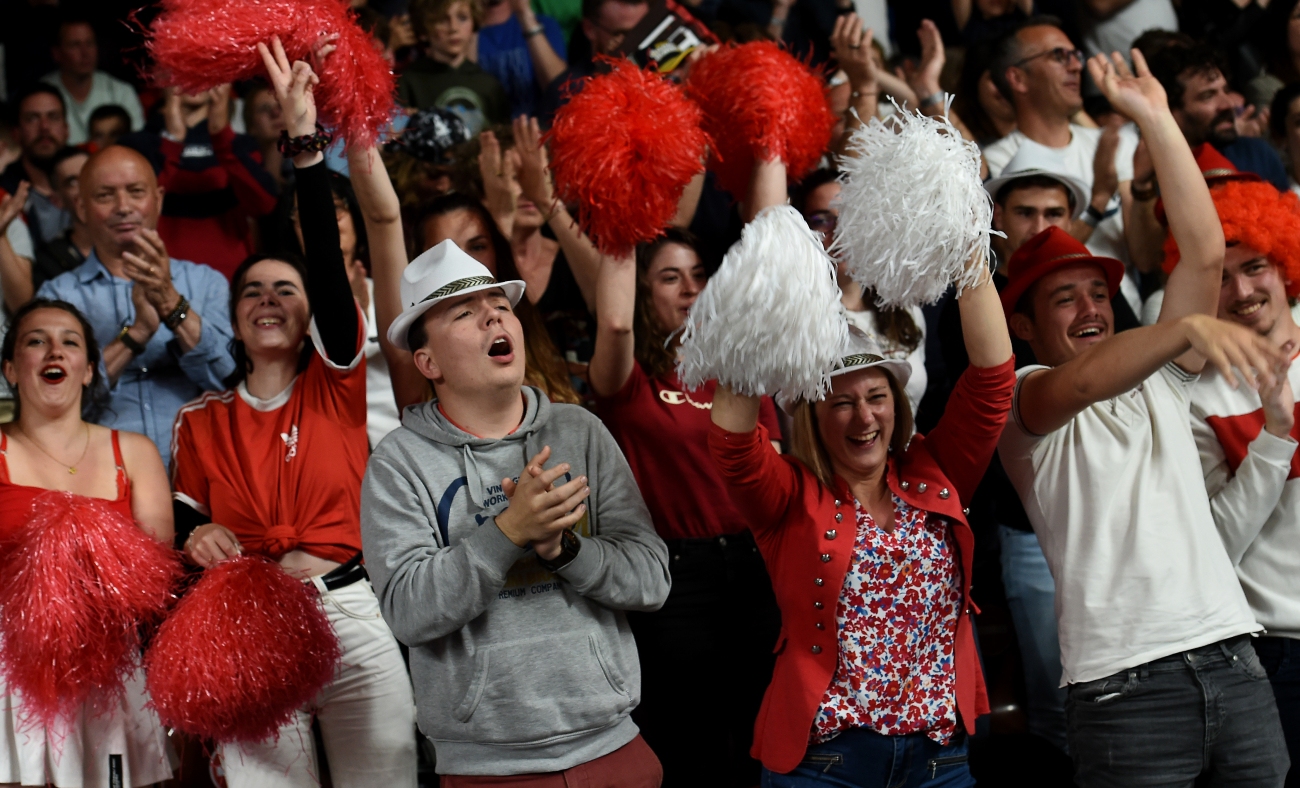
(543, 365)
(651, 340)
(806, 438)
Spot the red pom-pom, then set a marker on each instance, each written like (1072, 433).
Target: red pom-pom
(760, 102)
(79, 580)
(624, 149)
(198, 44)
(244, 649)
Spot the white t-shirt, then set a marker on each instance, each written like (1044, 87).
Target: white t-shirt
(104, 89)
(1107, 239)
(865, 321)
(1117, 500)
(381, 406)
(1253, 480)
(1118, 32)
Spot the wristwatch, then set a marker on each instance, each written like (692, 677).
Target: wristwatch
(569, 547)
(128, 341)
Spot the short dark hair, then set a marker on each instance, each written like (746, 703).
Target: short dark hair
(1032, 182)
(800, 192)
(591, 8)
(69, 20)
(107, 111)
(1281, 104)
(38, 89)
(1169, 64)
(1007, 51)
(65, 153)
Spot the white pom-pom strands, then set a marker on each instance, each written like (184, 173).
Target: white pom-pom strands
(913, 211)
(770, 319)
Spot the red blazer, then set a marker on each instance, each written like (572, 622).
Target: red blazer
(806, 533)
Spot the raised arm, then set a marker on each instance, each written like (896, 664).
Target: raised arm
(1193, 288)
(983, 324)
(328, 289)
(547, 63)
(852, 47)
(382, 212)
(15, 270)
(535, 181)
(614, 355)
(1050, 398)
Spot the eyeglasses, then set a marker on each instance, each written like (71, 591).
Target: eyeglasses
(1060, 56)
(822, 222)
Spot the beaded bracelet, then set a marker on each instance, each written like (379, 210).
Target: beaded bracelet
(307, 143)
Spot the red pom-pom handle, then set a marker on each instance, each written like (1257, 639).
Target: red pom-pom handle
(623, 149)
(199, 44)
(244, 649)
(759, 101)
(79, 580)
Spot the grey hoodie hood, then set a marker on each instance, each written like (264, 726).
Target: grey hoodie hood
(517, 669)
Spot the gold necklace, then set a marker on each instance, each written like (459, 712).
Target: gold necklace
(72, 469)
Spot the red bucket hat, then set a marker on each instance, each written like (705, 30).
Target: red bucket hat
(1046, 252)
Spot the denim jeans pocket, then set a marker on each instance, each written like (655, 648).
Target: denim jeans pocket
(1104, 691)
(1244, 660)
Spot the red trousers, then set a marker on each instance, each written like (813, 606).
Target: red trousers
(633, 765)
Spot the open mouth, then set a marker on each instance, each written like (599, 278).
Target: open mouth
(865, 440)
(53, 374)
(268, 322)
(1087, 333)
(500, 347)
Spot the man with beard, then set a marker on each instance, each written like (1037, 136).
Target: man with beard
(1247, 438)
(1192, 75)
(42, 133)
(163, 323)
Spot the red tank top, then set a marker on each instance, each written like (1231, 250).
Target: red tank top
(16, 499)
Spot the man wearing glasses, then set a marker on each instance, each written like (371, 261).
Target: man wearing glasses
(604, 23)
(1039, 70)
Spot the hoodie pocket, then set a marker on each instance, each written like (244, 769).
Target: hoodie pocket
(530, 691)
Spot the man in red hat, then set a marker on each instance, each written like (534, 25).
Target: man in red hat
(1163, 685)
(1247, 439)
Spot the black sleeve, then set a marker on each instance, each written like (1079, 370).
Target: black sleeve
(328, 289)
(187, 519)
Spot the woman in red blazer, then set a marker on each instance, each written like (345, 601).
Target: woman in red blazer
(877, 679)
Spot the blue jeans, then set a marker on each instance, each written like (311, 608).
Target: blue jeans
(1281, 660)
(1031, 596)
(1205, 717)
(862, 758)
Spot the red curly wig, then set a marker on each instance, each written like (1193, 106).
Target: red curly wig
(1255, 214)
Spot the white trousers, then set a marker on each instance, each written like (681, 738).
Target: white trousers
(367, 714)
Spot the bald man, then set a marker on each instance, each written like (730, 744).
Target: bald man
(163, 324)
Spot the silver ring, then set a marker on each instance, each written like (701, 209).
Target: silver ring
(855, 46)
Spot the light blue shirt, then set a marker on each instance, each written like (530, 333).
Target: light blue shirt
(154, 385)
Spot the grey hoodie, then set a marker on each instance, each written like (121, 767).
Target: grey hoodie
(516, 670)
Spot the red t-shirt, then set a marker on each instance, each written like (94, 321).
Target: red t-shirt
(663, 431)
(282, 474)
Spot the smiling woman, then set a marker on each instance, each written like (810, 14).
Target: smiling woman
(51, 360)
(274, 465)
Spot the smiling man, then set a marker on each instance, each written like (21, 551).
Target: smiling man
(505, 536)
(1163, 686)
(1192, 75)
(1247, 438)
(163, 324)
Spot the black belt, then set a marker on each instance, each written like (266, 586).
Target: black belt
(345, 575)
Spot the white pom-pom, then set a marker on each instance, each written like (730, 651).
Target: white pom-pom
(913, 211)
(770, 319)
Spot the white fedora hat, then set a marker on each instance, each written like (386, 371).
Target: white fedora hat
(438, 274)
(862, 352)
(1034, 159)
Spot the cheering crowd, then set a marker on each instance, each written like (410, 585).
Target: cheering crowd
(404, 372)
